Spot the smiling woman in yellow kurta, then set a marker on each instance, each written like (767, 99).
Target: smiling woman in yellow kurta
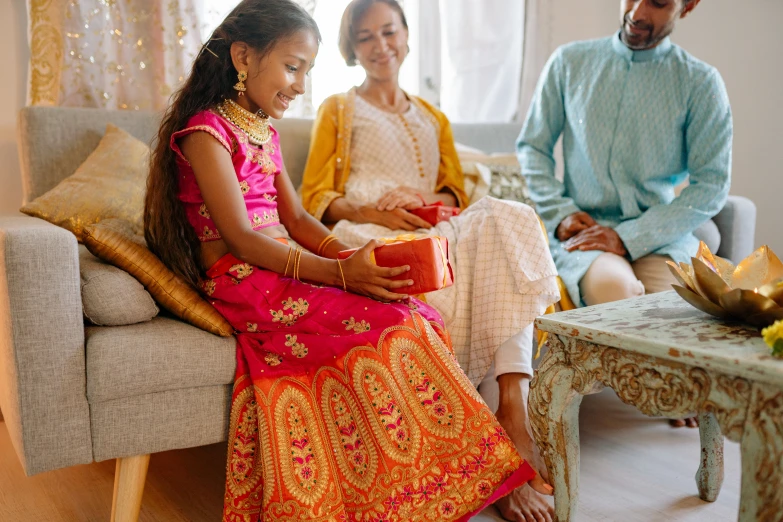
(377, 152)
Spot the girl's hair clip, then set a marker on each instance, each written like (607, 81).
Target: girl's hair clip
(206, 47)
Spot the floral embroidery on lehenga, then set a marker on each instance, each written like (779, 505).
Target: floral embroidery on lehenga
(241, 271)
(208, 286)
(272, 359)
(208, 234)
(261, 158)
(252, 327)
(244, 187)
(358, 327)
(203, 212)
(297, 349)
(298, 309)
(267, 217)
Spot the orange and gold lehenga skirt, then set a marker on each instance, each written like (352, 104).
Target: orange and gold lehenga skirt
(345, 408)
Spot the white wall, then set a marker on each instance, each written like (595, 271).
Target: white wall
(743, 40)
(13, 64)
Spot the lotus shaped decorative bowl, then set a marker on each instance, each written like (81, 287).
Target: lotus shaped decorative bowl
(751, 292)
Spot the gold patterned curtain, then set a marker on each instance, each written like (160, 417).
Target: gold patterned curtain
(115, 54)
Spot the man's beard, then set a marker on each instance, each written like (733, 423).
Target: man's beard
(640, 43)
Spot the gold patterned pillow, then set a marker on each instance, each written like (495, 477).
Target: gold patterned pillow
(109, 184)
(115, 242)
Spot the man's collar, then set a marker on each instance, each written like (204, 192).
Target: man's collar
(648, 55)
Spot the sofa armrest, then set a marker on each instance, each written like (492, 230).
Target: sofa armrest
(737, 225)
(42, 360)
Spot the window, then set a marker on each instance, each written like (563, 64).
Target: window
(330, 74)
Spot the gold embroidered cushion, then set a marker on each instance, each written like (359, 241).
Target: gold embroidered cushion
(109, 184)
(115, 242)
(498, 175)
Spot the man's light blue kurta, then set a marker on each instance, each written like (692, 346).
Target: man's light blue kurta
(635, 124)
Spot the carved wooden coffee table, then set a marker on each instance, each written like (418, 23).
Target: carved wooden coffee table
(667, 359)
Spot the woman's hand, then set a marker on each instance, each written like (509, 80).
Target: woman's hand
(364, 277)
(400, 197)
(397, 219)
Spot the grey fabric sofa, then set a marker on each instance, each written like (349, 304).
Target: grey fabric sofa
(72, 394)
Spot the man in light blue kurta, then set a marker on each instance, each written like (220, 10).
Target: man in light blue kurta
(638, 116)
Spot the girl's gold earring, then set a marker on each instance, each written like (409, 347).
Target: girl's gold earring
(240, 85)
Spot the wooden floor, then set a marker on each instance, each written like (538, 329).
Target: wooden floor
(633, 469)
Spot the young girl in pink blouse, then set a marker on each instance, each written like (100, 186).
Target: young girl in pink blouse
(348, 404)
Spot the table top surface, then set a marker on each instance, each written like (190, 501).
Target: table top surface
(665, 326)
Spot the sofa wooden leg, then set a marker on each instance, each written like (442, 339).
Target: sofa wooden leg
(128, 488)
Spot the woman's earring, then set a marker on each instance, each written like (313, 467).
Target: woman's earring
(240, 86)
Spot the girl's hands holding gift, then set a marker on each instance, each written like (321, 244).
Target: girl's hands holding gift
(364, 277)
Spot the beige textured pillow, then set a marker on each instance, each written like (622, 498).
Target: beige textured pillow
(115, 242)
(111, 296)
(109, 184)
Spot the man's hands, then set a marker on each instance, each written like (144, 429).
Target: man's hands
(573, 224)
(579, 231)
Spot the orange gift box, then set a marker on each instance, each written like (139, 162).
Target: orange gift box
(435, 213)
(428, 258)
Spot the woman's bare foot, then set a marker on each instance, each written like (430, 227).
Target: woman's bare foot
(524, 504)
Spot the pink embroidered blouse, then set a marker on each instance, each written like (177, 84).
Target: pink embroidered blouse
(256, 170)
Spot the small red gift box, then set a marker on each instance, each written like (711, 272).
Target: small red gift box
(435, 213)
(428, 258)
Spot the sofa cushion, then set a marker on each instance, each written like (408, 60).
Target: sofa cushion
(109, 184)
(114, 241)
(110, 296)
(497, 175)
(160, 355)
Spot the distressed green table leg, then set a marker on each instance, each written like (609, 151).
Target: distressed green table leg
(761, 495)
(554, 406)
(709, 477)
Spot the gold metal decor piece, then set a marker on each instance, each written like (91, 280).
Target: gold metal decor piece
(751, 292)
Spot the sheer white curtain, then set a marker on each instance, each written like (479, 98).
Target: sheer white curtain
(481, 53)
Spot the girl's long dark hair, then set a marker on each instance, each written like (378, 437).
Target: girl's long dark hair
(258, 23)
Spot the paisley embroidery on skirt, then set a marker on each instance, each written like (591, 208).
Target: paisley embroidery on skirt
(383, 403)
(430, 394)
(350, 436)
(303, 465)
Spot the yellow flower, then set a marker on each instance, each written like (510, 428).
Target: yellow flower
(773, 336)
